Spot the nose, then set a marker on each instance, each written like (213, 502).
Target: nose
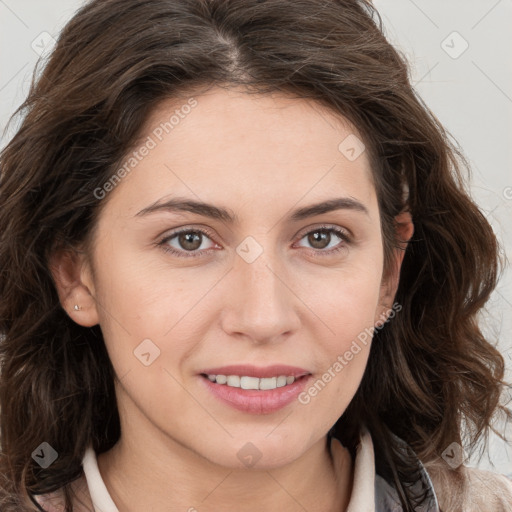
(260, 304)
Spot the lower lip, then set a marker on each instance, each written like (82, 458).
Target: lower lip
(257, 402)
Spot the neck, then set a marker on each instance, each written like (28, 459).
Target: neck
(161, 474)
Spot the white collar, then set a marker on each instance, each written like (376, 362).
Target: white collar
(100, 496)
(362, 497)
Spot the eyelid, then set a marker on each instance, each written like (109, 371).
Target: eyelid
(300, 234)
(334, 227)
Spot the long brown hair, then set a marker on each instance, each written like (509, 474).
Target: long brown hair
(431, 373)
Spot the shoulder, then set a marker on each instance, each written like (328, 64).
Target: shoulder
(471, 489)
(486, 490)
(464, 489)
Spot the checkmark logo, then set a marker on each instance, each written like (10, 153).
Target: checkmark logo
(454, 45)
(147, 352)
(454, 455)
(249, 454)
(43, 44)
(249, 249)
(45, 455)
(351, 147)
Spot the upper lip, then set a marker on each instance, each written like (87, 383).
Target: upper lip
(257, 371)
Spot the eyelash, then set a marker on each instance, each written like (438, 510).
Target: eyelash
(195, 254)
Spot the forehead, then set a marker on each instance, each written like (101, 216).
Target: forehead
(230, 146)
(235, 115)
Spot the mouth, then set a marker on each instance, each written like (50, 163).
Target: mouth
(256, 390)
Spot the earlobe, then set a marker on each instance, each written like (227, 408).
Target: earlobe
(76, 293)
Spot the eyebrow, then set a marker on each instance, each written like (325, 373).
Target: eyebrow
(215, 212)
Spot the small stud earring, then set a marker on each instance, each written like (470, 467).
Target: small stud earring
(77, 307)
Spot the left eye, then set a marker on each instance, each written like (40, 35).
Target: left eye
(190, 241)
(319, 236)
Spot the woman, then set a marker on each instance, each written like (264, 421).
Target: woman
(240, 270)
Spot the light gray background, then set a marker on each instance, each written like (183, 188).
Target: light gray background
(469, 91)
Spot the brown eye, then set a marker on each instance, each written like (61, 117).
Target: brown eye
(319, 239)
(189, 240)
(327, 240)
(187, 243)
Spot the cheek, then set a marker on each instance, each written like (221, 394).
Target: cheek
(343, 355)
(347, 304)
(148, 308)
(346, 298)
(134, 291)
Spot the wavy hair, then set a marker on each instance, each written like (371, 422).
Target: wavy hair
(431, 376)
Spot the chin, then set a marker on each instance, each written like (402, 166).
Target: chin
(257, 451)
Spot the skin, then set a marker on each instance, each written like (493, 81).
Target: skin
(261, 157)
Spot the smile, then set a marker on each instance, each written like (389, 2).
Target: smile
(255, 395)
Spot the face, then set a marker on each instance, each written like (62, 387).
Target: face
(180, 294)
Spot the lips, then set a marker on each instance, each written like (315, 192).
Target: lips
(256, 401)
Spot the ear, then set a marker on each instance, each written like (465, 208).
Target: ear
(404, 229)
(73, 279)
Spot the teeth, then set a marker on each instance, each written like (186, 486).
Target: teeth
(233, 381)
(244, 382)
(247, 383)
(221, 379)
(268, 383)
